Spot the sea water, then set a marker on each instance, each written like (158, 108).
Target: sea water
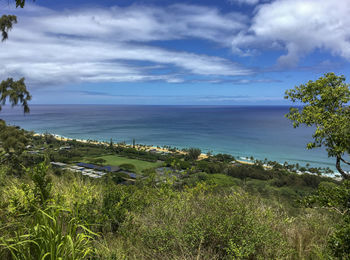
(242, 131)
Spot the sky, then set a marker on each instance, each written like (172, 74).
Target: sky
(162, 52)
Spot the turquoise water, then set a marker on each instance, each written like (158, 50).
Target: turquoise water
(258, 131)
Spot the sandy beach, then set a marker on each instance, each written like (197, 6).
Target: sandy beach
(137, 146)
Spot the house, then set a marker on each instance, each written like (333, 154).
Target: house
(99, 168)
(88, 165)
(65, 148)
(100, 173)
(77, 168)
(58, 164)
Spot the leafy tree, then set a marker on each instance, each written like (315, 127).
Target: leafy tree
(15, 91)
(326, 108)
(7, 21)
(194, 153)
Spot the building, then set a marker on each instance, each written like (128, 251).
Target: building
(58, 164)
(65, 148)
(99, 168)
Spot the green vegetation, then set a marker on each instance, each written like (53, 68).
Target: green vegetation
(206, 209)
(13, 141)
(219, 217)
(138, 164)
(33, 224)
(325, 107)
(336, 198)
(194, 153)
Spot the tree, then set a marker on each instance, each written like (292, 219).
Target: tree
(325, 107)
(194, 153)
(15, 91)
(111, 145)
(7, 21)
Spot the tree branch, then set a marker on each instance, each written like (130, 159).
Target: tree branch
(344, 161)
(345, 175)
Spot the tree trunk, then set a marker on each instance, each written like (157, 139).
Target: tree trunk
(346, 176)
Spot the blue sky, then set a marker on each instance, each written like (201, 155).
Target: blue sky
(228, 52)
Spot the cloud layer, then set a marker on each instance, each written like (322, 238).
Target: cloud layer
(116, 44)
(138, 43)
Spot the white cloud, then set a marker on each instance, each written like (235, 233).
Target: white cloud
(299, 27)
(115, 45)
(146, 23)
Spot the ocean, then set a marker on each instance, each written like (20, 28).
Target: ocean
(242, 131)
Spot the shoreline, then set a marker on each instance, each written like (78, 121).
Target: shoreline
(148, 148)
(219, 140)
(239, 159)
(139, 147)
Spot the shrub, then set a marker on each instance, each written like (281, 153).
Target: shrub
(337, 199)
(199, 224)
(116, 205)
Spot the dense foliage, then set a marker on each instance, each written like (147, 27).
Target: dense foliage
(325, 106)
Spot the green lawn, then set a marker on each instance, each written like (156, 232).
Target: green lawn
(140, 165)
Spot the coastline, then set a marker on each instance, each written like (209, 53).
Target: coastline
(158, 149)
(236, 131)
(137, 146)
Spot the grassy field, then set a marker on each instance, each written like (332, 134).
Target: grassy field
(139, 164)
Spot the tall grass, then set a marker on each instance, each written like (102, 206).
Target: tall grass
(52, 235)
